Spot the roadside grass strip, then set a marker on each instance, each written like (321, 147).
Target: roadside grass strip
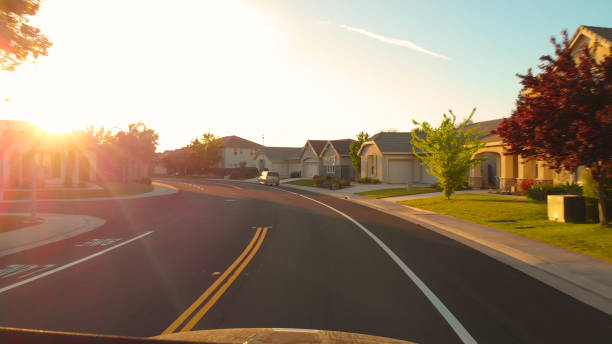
(234, 270)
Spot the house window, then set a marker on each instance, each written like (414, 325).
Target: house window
(235, 151)
(240, 151)
(331, 167)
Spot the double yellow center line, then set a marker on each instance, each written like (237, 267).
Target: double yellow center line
(249, 253)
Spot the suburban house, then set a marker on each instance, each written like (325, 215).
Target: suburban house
(238, 152)
(336, 159)
(506, 172)
(284, 160)
(27, 153)
(388, 157)
(310, 158)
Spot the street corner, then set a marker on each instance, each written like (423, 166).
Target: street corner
(47, 228)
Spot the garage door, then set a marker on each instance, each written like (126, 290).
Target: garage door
(310, 169)
(400, 171)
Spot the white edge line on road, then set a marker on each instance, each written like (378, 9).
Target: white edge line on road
(66, 266)
(463, 334)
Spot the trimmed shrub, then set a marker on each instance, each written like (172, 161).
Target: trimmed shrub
(366, 180)
(319, 180)
(526, 184)
(375, 181)
(539, 192)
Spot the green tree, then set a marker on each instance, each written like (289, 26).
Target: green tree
(18, 39)
(203, 153)
(355, 146)
(447, 150)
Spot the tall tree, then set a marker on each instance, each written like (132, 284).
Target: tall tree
(18, 39)
(135, 146)
(203, 153)
(564, 115)
(355, 146)
(447, 150)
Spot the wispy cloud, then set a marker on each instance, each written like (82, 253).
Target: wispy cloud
(394, 41)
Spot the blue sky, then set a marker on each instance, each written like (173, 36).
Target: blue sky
(289, 70)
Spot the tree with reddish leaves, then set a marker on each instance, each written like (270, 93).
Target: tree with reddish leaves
(18, 39)
(563, 115)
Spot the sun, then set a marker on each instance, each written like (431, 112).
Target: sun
(55, 126)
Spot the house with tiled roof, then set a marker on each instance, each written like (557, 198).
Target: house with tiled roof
(388, 157)
(507, 172)
(238, 152)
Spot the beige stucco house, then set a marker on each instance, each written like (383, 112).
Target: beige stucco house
(238, 152)
(310, 158)
(284, 160)
(336, 159)
(388, 157)
(506, 172)
(599, 39)
(27, 153)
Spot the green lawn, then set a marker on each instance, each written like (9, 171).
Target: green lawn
(11, 222)
(302, 182)
(524, 217)
(110, 190)
(397, 192)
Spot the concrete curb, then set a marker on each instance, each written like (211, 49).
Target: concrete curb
(577, 285)
(159, 189)
(55, 228)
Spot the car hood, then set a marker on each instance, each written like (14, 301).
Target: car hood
(276, 336)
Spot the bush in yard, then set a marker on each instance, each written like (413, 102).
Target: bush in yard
(295, 174)
(235, 174)
(539, 192)
(319, 180)
(526, 184)
(366, 180)
(375, 181)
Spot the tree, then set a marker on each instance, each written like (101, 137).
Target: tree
(17, 38)
(203, 153)
(447, 150)
(355, 146)
(135, 147)
(564, 115)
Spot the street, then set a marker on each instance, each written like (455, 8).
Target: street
(297, 263)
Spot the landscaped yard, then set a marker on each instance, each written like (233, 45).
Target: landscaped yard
(11, 222)
(110, 190)
(524, 217)
(302, 182)
(397, 192)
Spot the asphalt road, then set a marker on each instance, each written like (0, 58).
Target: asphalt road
(313, 269)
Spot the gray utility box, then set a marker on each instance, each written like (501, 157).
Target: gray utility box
(566, 208)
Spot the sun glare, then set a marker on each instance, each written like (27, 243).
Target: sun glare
(55, 127)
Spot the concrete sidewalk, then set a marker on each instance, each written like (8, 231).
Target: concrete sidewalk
(55, 227)
(159, 189)
(585, 278)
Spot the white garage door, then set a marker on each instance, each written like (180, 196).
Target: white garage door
(400, 171)
(310, 169)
